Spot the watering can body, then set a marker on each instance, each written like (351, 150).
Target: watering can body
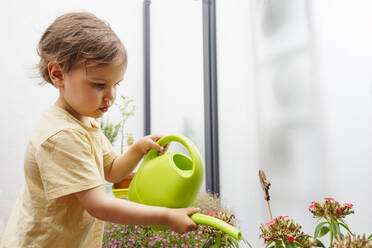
(172, 180)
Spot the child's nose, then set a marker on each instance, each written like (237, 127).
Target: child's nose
(110, 95)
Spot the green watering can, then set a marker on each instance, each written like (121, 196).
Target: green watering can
(174, 180)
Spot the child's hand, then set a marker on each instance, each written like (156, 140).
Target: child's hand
(150, 141)
(179, 220)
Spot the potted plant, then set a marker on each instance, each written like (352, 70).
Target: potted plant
(120, 189)
(116, 235)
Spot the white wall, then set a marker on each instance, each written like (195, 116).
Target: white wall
(344, 55)
(237, 114)
(23, 101)
(320, 111)
(177, 100)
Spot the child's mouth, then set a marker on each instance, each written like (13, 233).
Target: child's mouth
(104, 109)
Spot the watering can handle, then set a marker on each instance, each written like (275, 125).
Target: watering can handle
(194, 153)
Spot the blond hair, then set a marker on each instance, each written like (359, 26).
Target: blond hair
(78, 37)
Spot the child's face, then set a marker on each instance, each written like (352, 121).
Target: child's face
(90, 91)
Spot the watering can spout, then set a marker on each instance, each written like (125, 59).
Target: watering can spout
(217, 223)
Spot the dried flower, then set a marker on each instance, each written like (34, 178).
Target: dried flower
(330, 208)
(265, 184)
(329, 199)
(282, 228)
(352, 242)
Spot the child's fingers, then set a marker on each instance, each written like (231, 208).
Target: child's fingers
(192, 210)
(164, 150)
(155, 137)
(166, 147)
(157, 147)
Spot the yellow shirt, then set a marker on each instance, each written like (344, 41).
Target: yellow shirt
(63, 157)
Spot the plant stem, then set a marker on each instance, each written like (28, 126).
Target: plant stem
(331, 232)
(122, 136)
(268, 205)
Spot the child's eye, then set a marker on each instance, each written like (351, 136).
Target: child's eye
(118, 84)
(99, 86)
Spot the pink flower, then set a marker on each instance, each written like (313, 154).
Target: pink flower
(349, 205)
(281, 217)
(290, 239)
(210, 213)
(339, 211)
(270, 223)
(311, 207)
(151, 243)
(266, 239)
(329, 199)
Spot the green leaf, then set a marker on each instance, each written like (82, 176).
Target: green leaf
(337, 228)
(323, 231)
(370, 237)
(297, 244)
(318, 229)
(232, 242)
(346, 227)
(319, 243)
(245, 242)
(279, 244)
(289, 245)
(332, 228)
(269, 244)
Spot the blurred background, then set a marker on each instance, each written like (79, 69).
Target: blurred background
(294, 86)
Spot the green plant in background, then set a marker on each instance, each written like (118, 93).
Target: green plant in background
(142, 236)
(109, 129)
(126, 107)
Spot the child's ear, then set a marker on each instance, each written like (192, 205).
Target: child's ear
(56, 74)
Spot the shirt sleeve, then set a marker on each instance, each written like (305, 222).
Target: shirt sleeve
(109, 153)
(67, 164)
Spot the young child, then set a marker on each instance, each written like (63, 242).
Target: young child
(63, 202)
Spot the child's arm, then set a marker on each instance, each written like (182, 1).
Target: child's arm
(107, 208)
(125, 163)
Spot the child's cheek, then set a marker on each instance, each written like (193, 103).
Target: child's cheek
(93, 98)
